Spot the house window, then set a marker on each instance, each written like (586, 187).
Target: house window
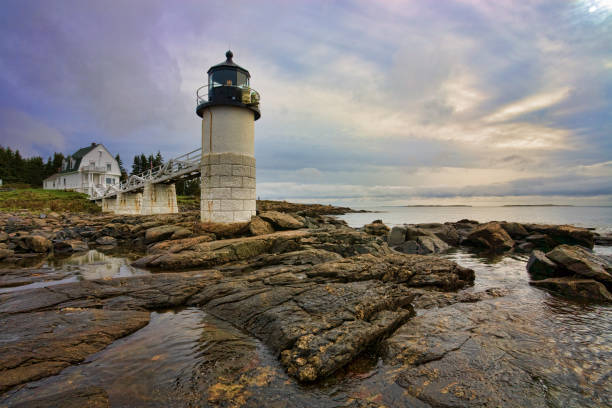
(64, 181)
(108, 167)
(109, 180)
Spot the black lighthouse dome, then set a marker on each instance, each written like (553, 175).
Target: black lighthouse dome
(228, 84)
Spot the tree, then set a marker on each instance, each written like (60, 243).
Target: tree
(123, 176)
(136, 165)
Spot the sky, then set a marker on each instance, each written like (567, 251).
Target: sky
(363, 103)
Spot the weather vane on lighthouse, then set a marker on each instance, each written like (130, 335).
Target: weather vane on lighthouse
(229, 108)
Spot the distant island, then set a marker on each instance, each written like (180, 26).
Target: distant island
(537, 205)
(420, 205)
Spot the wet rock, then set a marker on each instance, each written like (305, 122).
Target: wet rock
(70, 245)
(316, 329)
(35, 243)
(25, 276)
(160, 233)
(464, 355)
(412, 270)
(540, 266)
(573, 287)
(281, 221)
(181, 233)
(106, 240)
(90, 397)
(260, 227)
(397, 236)
(446, 232)
(582, 262)
(144, 292)
(525, 246)
(208, 254)
(6, 253)
(431, 244)
(544, 242)
(490, 236)
(515, 230)
(3, 236)
(408, 247)
(376, 228)
(173, 246)
(603, 240)
(564, 234)
(46, 342)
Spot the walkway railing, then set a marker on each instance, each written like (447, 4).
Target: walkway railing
(183, 167)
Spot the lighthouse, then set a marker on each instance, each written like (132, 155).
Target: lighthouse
(229, 108)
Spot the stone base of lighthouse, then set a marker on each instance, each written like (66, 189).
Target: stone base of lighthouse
(228, 187)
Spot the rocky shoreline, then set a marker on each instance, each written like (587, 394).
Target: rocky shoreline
(315, 292)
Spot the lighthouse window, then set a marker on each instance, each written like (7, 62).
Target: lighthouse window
(242, 79)
(223, 77)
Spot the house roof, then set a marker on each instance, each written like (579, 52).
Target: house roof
(77, 157)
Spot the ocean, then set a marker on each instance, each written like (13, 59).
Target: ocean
(599, 218)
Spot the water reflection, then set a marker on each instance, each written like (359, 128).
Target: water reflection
(94, 264)
(82, 266)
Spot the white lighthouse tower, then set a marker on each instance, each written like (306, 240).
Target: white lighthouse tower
(228, 108)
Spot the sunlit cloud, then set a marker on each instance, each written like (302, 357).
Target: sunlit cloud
(395, 98)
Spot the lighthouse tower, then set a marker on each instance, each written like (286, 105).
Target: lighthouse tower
(228, 108)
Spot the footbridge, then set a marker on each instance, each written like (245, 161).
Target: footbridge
(150, 192)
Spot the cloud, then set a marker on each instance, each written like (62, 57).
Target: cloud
(30, 136)
(357, 97)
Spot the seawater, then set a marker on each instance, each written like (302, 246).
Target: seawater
(599, 218)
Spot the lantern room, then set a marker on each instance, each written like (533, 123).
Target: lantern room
(228, 84)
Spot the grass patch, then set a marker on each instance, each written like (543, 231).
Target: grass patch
(188, 202)
(46, 200)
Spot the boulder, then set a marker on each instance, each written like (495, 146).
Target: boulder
(431, 244)
(70, 245)
(161, 233)
(515, 230)
(376, 228)
(281, 221)
(525, 247)
(106, 240)
(397, 236)
(544, 242)
(582, 262)
(490, 236)
(3, 236)
(603, 240)
(408, 247)
(564, 234)
(37, 243)
(447, 233)
(540, 266)
(181, 233)
(583, 288)
(260, 227)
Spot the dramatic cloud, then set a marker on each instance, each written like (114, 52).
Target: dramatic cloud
(393, 100)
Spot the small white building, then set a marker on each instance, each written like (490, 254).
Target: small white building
(87, 169)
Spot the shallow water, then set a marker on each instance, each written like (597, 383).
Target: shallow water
(87, 265)
(188, 358)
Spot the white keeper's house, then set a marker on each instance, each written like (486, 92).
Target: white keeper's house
(88, 169)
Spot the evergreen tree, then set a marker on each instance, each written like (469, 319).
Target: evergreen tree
(123, 176)
(136, 165)
(158, 160)
(144, 163)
